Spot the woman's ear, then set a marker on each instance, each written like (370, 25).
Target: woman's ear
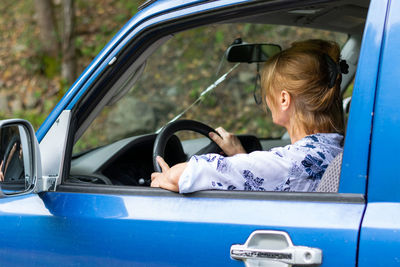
(285, 100)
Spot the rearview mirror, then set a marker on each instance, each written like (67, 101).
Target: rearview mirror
(252, 53)
(18, 157)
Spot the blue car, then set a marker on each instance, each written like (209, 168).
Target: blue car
(77, 193)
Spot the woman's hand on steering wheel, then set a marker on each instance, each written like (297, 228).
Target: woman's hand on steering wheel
(227, 141)
(169, 177)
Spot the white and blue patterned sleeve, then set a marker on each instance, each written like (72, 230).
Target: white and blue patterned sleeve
(257, 171)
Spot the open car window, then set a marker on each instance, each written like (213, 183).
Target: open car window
(181, 69)
(117, 147)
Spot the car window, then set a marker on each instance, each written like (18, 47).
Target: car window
(180, 70)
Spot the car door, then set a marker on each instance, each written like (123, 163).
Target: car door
(165, 229)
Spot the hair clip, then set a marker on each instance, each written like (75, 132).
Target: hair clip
(344, 67)
(333, 70)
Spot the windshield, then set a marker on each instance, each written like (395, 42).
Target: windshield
(182, 69)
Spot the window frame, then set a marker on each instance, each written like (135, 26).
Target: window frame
(140, 41)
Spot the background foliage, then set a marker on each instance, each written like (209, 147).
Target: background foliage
(30, 81)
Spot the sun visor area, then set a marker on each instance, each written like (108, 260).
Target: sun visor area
(342, 16)
(352, 17)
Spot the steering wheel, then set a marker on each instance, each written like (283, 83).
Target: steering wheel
(168, 130)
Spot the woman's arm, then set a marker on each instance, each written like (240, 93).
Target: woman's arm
(169, 177)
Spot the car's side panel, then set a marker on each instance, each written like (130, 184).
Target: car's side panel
(24, 222)
(380, 235)
(67, 229)
(380, 232)
(384, 179)
(356, 153)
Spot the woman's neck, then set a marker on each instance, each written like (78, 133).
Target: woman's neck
(296, 132)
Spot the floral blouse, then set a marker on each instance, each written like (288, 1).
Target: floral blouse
(295, 167)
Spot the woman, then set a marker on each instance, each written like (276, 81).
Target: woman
(301, 87)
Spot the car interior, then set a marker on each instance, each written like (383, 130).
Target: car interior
(186, 77)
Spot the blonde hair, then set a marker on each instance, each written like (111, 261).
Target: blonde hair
(303, 71)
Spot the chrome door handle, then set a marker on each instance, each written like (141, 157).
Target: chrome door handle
(274, 248)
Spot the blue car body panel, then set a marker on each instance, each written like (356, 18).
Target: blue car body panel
(94, 229)
(380, 233)
(384, 175)
(356, 153)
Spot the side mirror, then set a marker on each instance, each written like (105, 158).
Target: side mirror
(251, 53)
(19, 157)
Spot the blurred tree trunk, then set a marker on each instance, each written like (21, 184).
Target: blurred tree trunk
(48, 32)
(68, 70)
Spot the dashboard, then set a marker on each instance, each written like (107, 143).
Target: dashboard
(129, 161)
(125, 162)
